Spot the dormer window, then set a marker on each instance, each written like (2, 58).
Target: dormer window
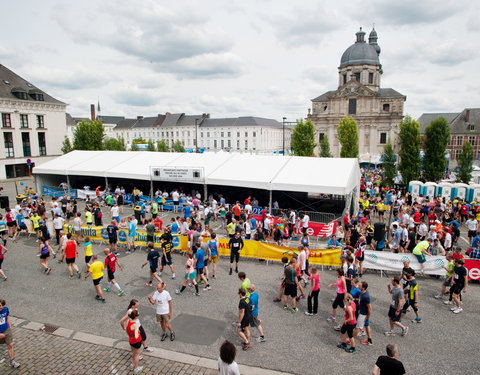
(35, 95)
(471, 127)
(20, 93)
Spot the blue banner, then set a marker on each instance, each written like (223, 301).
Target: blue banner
(58, 193)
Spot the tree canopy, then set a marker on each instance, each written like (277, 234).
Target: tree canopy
(388, 159)
(162, 146)
(150, 145)
(178, 147)
(66, 145)
(88, 135)
(303, 138)
(115, 144)
(347, 134)
(409, 139)
(325, 148)
(465, 163)
(437, 136)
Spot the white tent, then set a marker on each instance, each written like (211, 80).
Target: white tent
(268, 172)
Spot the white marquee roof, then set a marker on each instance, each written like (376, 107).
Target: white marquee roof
(269, 172)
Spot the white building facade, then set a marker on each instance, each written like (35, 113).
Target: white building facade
(33, 125)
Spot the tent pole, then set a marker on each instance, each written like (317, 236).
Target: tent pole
(270, 202)
(68, 185)
(106, 183)
(151, 189)
(205, 192)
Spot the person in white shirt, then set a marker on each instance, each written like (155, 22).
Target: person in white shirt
(472, 225)
(248, 229)
(226, 361)
(115, 212)
(58, 226)
(164, 309)
(175, 197)
(248, 209)
(448, 240)
(422, 231)
(305, 221)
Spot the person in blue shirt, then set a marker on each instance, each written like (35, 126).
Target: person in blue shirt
(333, 242)
(213, 247)
(253, 224)
(21, 225)
(187, 212)
(476, 241)
(173, 226)
(132, 232)
(200, 265)
(6, 332)
(255, 322)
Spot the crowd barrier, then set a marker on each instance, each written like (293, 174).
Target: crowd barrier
(251, 249)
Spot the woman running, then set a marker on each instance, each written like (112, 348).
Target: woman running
(190, 275)
(134, 339)
(348, 325)
(11, 224)
(3, 251)
(213, 247)
(44, 250)
(134, 304)
(341, 285)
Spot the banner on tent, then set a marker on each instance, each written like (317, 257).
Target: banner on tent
(82, 194)
(314, 229)
(473, 267)
(379, 260)
(58, 193)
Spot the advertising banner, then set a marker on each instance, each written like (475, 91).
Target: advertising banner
(473, 267)
(380, 260)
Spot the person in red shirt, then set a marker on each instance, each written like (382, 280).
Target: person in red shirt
(416, 217)
(464, 212)
(71, 255)
(111, 262)
(457, 254)
(158, 224)
(134, 339)
(237, 211)
(247, 200)
(431, 218)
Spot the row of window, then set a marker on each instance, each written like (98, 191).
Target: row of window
(167, 134)
(7, 120)
(383, 137)
(357, 76)
(457, 140)
(26, 147)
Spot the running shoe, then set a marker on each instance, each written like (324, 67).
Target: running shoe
(458, 311)
(196, 294)
(350, 350)
(177, 291)
(366, 342)
(102, 300)
(213, 276)
(159, 273)
(342, 346)
(447, 302)
(246, 345)
(390, 333)
(294, 310)
(277, 299)
(164, 336)
(79, 274)
(453, 308)
(405, 331)
(106, 290)
(138, 370)
(230, 271)
(417, 320)
(148, 284)
(97, 298)
(173, 277)
(285, 307)
(70, 277)
(207, 288)
(121, 293)
(47, 272)
(148, 349)
(172, 336)
(308, 313)
(337, 328)
(331, 319)
(14, 363)
(261, 339)
(236, 270)
(362, 333)
(438, 296)
(128, 252)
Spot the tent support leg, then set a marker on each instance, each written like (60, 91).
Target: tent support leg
(270, 201)
(205, 192)
(68, 185)
(106, 183)
(151, 190)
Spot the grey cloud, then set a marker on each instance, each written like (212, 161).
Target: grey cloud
(133, 96)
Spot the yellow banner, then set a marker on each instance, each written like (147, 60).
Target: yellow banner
(251, 249)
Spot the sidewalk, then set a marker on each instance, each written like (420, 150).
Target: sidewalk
(49, 350)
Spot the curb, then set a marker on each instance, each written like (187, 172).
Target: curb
(123, 345)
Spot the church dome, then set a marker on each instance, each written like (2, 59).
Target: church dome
(361, 52)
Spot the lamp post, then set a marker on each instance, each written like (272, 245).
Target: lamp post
(196, 135)
(283, 137)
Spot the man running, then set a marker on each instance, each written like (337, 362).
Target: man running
(152, 259)
(459, 283)
(112, 230)
(236, 245)
(395, 310)
(6, 336)
(96, 271)
(244, 319)
(255, 321)
(200, 266)
(71, 255)
(365, 311)
(167, 247)
(111, 263)
(164, 309)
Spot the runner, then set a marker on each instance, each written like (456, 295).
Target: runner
(341, 286)
(150, 229)
(3, 251)
(245, 282)
(282, 278)
(44, 250)
(236, 245)
(164, 309)
(133, 306)
(87, 247)
(115, 213)
(167, 247)
(11, 223)
(112, 230)
(291, 285)
(111, 263)
(449, 270)
(200, 265)
(312, 300)
(58, 226)
(459, 283)
(77, 227)
(6, 336)
(412, 296)
(213, 247)
(244, 319)
(365, 311)
(71, 255)
(132, 232)
(152, 259)
(134, 339)
(3, 230)
(394, 312)
(96, 271)
(348, 326)
(420, 250)
(190, 275)
(255, 322)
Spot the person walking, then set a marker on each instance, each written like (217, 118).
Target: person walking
(71, 256)
(291, 285)
(134, 305)
(395, 310)
(6, 335)
(3, 251)
(152, 260)
(365, 311)
(44, 250)
(348, 325)
(244, 319)
(341, 286)
(459, 283)
(134, 339)
(111, 263)
(164, 309)
(255, 321)
(167, 247)
(190, 275)
(312, 300)
(389, 364)
(236, 245)
(96, 271)
(213, 247)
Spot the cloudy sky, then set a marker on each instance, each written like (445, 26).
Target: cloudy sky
(264, 58)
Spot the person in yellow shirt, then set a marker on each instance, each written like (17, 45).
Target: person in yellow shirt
(88, 217)
(96, 270)
(87, 246)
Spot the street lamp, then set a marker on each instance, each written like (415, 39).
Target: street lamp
(284, 135)
(196, 135)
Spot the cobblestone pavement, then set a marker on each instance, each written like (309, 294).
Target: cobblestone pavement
(43, 354)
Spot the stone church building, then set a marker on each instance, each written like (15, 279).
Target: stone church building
(378, 111)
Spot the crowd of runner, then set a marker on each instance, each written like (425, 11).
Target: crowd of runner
(421, 226)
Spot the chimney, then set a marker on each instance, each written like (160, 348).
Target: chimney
(205, 115)
(139, 117)
(92, 112)
(467, 115)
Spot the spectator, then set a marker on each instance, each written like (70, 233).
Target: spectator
(226, 361)
(389, 364)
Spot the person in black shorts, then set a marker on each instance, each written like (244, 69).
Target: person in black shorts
(152, 260)
(244, 319)
(167, 247)
(236, 245)
(459, 283)
(112, 230)
(291, 285)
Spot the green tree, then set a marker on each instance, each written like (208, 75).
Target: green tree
(388, 160)
(437, 136)
(178, 147)
(465, 163)
(66, 145)
(88, 135)
(138, 141)
(347, 134)
(325, 148)
(134, 147)
(115, 144)
(409, 139)
(162, 146)
(303, 138)
(150, 145)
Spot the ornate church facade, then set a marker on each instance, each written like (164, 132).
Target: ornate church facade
(378, 111)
